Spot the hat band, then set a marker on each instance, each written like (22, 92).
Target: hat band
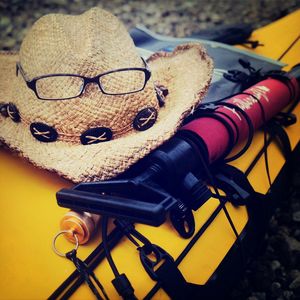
(144, 119)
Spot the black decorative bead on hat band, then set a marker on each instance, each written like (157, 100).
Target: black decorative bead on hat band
(13, 112)
(161, 93)
(145, 119)
(43, 132)
(3, 109)
(96, 135)
(10, 110)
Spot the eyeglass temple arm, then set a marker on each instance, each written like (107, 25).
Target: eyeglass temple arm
(145, 63)
(19, 68)
(147, 68)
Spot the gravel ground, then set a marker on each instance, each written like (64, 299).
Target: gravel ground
(176, 18)
(275, 274)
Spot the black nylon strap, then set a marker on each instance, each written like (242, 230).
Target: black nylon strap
(257, 204)
(172, 280)
(277, 132)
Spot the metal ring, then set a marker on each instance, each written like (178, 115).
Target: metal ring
(60, 233)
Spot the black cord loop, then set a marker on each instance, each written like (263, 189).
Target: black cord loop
(120, 282)
(87, 274)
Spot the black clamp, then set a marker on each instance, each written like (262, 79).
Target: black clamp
(166, 183)
(237, 195)
(235, 184)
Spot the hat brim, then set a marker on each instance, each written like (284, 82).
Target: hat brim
(186, 72)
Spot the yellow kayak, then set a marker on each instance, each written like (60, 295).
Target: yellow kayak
(30, 215)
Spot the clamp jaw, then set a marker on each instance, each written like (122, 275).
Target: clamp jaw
(126, 199)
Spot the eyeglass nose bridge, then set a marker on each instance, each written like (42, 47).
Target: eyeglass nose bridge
(89, 80)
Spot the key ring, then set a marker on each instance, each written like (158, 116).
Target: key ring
(60, 233)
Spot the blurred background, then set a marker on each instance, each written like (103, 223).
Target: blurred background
(174, 17)
(275, 274)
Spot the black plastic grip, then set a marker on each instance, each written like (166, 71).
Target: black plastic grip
(137, 210)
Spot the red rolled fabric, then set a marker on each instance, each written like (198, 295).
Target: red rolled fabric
(273, 95)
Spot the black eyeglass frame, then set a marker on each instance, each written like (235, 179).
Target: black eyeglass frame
(31, 83)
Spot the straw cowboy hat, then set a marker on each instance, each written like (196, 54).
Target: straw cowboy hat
(79, 100)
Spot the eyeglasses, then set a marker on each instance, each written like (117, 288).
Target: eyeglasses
(67, 86)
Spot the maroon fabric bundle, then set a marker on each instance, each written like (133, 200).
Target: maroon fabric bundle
(271, 94)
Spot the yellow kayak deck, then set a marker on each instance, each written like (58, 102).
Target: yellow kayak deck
(30, 216)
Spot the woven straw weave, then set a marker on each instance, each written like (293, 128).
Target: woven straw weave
(90, 44)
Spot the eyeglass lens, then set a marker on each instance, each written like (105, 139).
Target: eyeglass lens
(122, 82)
(67, 86)
(59, 87)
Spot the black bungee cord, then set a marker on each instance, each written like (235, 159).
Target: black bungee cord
(224, 208)
(233, 139)
(236, 128)
(250, 132)
(106, 248)
(71, 284)
(281, 115)
(263, 114)
(232, 142)
(88, 275)
(289, 48)
(120, 282)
